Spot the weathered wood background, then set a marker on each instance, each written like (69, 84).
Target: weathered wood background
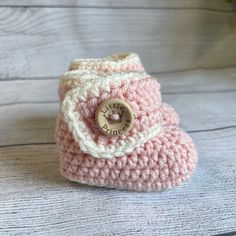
(189, 45)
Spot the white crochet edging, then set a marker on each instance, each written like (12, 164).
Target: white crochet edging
(93, 86)
(79, 77)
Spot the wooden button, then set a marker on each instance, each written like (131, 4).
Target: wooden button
(114, 117)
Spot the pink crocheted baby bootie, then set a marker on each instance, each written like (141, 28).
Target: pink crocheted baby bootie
(113, 130)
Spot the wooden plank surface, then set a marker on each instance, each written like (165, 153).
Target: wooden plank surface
(37, 41)
(36, 200)
(40, 42)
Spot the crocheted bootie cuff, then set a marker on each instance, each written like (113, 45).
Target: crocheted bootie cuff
(120, 62)
(117, 63)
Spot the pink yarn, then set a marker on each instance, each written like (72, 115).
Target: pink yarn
(162, 162)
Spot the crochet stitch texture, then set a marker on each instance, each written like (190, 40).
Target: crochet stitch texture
(154, 155)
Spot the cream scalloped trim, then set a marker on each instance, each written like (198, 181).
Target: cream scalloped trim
(94, 84)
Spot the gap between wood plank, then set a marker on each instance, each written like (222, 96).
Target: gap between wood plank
(153, 73)
(28, 102)
(120, 7)
(54, 143)
(163, 93)
(211, 130)
(201, 92)
(26, 144)
(233, 233)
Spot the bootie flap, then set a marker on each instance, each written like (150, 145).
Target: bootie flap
(106, 86)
